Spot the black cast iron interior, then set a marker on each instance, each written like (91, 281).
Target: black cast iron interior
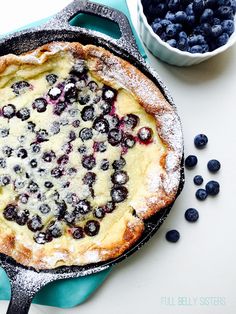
(25, 282)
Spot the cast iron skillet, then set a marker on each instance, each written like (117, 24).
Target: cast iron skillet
(25, 282)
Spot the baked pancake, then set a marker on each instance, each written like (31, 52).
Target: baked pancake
(89, 148)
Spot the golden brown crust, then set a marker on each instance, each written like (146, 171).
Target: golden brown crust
(117, 73)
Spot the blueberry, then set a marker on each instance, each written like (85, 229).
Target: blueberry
(33, 187)
(163, 36)
(3, 163)
(174, 5)
(41, 135)
(171, 30)
(93, 86)
(191, 161)
(119, 164)
(172, 42)
(207, 16)
(83, 207)
(114, 121)
(48, 184)
(48, 156)
(44, 208)
(212, 188)
(89, 178)
(79, 68)
(23, 198)
(54, 93)
(108, 94)
(115, 137)
(23, 114)
(194, 40)
(9, 111)
(213, 165)
(104, 164)
(157, 28)
(99, 212)
(106, 108)
(87, 113)
(42, 237)
(198, 7)
(172, 236)
(56, 172)
(4, 132)
(120, 177)
(61, 208)
(131, 120)
(17, 169)
(216, 30)
(164, 23)
(22, 217)
(145, 134)
(72, 136)
(189, 9)
(78, 233)
(20, 87)
(33, 163)
(86, 134)
(76, 123)
(198, 180)
(88, 162)
(222, 40)
(71, 92)
(206, 28)
(91, 228)
(31, 126)
(201, 194)
(170, 16)
(205, 48)
(10, 212)
(35, 223)
(196, 49)
(54, 229)
(200, 140)
(82, 149)
(59, 108)
(40, 104)
(182, 44)
(128, 141)
(7, 151)
(22, 153)
(228, 27)
(212, 4)
(100, 147)
(109, 207)
(119, 194)
(63, 160)
(101, 125)
(181, 17)
(51, 78)
(4, 180)
(35, 148)
(191, 21)
(225, 13)
(191, 215)
(84, 99)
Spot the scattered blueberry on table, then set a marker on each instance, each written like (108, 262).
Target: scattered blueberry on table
(191, 161)
(200, 140)
(201, 194)
(213, 165)
(198, 180)
(191, 215)
(196, 26)
(212, 188)
(172, 236)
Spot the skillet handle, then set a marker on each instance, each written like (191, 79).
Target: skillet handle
(126, 41)
(25, 283)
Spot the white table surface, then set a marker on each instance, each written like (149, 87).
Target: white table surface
(196, 275)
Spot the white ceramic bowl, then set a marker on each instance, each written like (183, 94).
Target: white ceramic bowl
(169, 54)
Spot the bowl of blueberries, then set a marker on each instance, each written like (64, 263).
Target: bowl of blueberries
(187, 32)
